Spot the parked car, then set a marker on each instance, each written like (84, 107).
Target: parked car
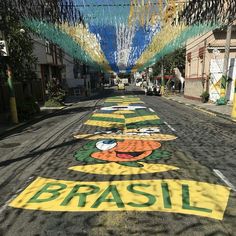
(152, 89)
(125, 81)
(139, 82)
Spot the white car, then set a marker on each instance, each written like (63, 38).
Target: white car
(139, 82)
(152, 89)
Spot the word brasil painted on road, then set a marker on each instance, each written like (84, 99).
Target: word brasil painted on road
(179, 196)
(129, 142)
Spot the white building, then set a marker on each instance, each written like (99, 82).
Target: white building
(54, 62)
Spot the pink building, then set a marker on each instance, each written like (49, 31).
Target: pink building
(204, 65)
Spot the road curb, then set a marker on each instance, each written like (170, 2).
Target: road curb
(10, 130)
(199, 108)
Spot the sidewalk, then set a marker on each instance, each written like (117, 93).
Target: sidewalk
(223, 111)
(7, 127)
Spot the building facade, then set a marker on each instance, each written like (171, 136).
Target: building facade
(204, 65)
(53, 62)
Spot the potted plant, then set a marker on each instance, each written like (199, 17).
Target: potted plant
(205, 96)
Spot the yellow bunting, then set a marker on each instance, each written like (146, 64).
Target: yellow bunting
(112, 168)
(88, 42)
(159, 41)
(176, 196)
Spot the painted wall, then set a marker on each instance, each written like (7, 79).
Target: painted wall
(199, 59)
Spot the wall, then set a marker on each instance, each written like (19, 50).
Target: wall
(199, 57)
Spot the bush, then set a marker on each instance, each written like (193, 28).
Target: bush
(27, 109)
(205, 97)
(56, 94)
(52, 103)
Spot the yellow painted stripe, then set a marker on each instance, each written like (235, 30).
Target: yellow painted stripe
(117, 169)
(123, 112)
(157, 137)
(167, 195)
(118, 116)
(128, 103)
(104, 124)
(141, 118)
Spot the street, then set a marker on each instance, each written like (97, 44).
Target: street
(121, 164)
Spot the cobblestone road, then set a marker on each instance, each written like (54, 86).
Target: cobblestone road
(120, 171)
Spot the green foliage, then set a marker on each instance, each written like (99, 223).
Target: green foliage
(124, 75)
(55, 93)
(205, 97)
(20, 47)
(27, 109)
(172, 60)
(52, 103)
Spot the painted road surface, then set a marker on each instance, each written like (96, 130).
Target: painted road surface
(124, 174)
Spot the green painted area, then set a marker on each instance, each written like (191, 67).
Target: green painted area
(144, 124)
(83, 156)
(140, 112)
(166, 195)
(223, 82)
(157, 155)
(116, 198)
(54, 192)
(82, 196)
(151, 199)
(186, 201)
(110, 104)
(118, 120)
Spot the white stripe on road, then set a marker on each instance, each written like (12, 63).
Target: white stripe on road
(224, 179)
(170, 126)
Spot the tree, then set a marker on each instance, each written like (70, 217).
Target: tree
(172, 60)
(20, 47)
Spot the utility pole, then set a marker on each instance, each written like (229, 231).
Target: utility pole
(162, 77)
(13, 109)
(223, 100)
(233, 114)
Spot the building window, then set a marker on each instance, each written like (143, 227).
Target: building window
(49, 47)
(60, 54)
(201, 52)
(189, 57)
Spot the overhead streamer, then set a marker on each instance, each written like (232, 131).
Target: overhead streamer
(121, 35)
(49, 32)
(165, 43)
